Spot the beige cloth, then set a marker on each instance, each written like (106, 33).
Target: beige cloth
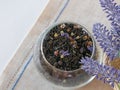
(21, 73)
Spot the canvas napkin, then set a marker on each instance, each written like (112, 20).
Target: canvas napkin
(22, 73)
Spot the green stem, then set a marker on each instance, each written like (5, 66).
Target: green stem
(119, 54)
(119, 86)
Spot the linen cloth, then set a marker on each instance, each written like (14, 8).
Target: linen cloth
(22, 73)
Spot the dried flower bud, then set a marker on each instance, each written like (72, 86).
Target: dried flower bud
(56, 53)
(62, 26)
(73, 42)
(61, 32)
(55, 35)
(78, 37)
(72, 34)
(68, 30)
(62, 56)
(85, 37)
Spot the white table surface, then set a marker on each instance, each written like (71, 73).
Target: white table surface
(16, 19)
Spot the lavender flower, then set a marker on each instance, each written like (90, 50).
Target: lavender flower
(109, 39)
(102, 72)
(64, 53)
(106, 41)
(113, 11)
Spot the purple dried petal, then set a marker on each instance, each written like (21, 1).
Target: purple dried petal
(90, 48)
(64, 53)
(65, 35)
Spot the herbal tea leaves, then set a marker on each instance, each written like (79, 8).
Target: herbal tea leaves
(65, 44)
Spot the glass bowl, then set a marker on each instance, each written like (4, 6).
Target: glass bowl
(57, 77)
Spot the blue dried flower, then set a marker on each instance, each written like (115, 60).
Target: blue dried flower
(64, 53)
(90, 48)
(65, 35)
(105, 73)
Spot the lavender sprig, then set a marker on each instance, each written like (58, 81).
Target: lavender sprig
(113, 11)
(116, 40)
(102, 72)
(106, 41)
(109, 39)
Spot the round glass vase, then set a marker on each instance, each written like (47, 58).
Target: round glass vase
(57, 77)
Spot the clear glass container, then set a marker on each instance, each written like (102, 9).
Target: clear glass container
(60, 78)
